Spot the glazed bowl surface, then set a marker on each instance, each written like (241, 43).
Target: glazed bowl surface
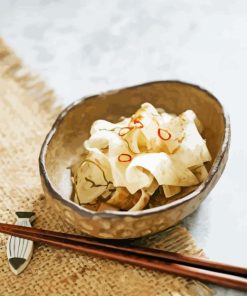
(63, 146)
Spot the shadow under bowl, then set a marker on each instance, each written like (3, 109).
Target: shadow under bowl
(63, 146)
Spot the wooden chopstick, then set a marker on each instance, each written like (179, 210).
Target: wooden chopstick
(149, 258)
(170, 256)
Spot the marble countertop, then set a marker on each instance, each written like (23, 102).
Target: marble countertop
(85, 47)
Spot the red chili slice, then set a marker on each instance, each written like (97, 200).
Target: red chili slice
(162, 133)
(124, 130)
(138, 123)
(124, 157)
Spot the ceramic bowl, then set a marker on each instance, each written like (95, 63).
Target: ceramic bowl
(63, 146)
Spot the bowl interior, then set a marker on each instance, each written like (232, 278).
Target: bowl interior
(73, 125)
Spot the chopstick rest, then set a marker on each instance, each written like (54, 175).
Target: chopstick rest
(20, 250)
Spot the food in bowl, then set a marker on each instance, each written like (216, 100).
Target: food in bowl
(63, 147)
(125, 164)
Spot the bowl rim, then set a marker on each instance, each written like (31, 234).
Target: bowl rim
(117, 214)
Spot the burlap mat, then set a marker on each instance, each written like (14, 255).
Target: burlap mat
(26, 114)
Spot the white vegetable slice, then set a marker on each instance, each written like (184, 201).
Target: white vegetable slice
(190, 115)
(132, 138)
(119, 157)
(104, 125)
(136, 140)
(122, 199)
(137, 178)
(101, 125)
(142, 202)
(93, 176)
(152, 188)
(170, 191)
(104, 139)
(116, 146)
(148, 119)
(169, 135)
(164, 169)
(102, 160)
(201, 173)
(166, 117)
(90, 183)
(193, 149)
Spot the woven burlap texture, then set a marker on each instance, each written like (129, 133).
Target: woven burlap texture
(26, 114)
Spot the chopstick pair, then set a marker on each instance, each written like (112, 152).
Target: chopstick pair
(181, 265)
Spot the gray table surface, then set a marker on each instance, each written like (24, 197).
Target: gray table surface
(85, 47)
